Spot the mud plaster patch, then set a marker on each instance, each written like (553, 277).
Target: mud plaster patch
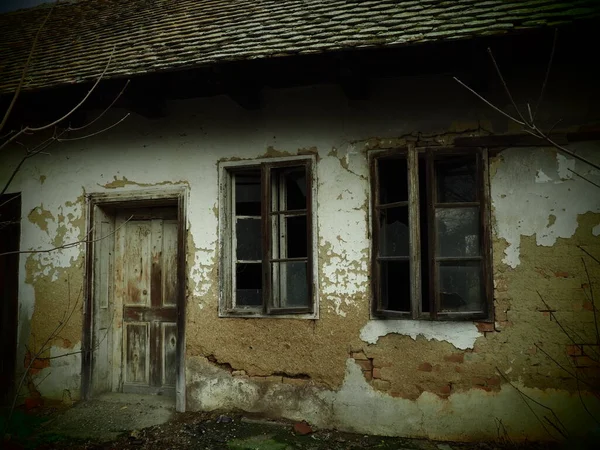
(460, 334)
(40, 217)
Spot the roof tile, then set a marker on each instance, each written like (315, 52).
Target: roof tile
(153, 35)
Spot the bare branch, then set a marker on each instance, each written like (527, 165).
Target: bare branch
(592, 299)
(103, 112)
(594, 418)
(18, 195)
(490, 104)
(67, 115)
(544, 84)
(26, 68)
(69, 245)
(553, 316)
(97, 132)
(583, 178)
(572, 374)
(588, 253)
(508, 93)
(524, 396)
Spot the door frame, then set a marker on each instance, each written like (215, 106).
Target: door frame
(109, 201)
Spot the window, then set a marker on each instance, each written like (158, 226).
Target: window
(430, 234)
(267, 238)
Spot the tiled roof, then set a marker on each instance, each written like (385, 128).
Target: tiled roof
(153, 35)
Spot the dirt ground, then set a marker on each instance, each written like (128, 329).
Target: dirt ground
(150, 423)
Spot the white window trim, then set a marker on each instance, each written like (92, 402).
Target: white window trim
(225, 208)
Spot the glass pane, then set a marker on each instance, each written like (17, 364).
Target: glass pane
(247, 193)
(457, 231)
(456, 179)
(248, 279)
(295, 189)
(290, 285)
(395, 285)
(249, 242)
(394, 232)
(460, 287)
(393, 180)
(295, 237)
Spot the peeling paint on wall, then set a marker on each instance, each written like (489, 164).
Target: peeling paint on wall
(460, 334)
(530, 185)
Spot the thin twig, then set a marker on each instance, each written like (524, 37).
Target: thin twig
(583, 178)
(490, 104)
(546, 77)
(506, 89)
(592, 299)
(64, 117)
(588, 253)
(69, 245)
(553, 316)
(97, 132)
(524, 396)
(594, 418)
(561, 366)
(26, 68)
(17, 195)
(103, 112)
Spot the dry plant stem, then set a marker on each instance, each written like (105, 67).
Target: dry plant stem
(572, 374)
(546, 77)
(26, 68)
(588, 253)
(524, 396)
(592, 299)
(583, 178)
(553, 316)
(96, 132)
(69, 245)
(594, 418)
(99, 116)
(67, 115)
(529, 127)
(506, 89)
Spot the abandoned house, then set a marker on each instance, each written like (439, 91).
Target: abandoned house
(345, 212)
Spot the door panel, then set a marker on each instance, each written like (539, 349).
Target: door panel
(149, 290)
(169, 331)
(136, 357)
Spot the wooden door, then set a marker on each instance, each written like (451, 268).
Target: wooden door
(146, 279)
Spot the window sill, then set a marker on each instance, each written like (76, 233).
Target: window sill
(460, 334)
(244, 314)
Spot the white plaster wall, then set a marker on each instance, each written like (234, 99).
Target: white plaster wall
(185, 147)
(531, 185)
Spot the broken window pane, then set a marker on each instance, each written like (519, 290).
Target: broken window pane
(295, 189)
(247, 193)
(249, 242)
(394, 232)
(292, 279)
(395, 285)
(393, 180)
(460, 287)
(248, 284)
(457, 232)
(296, 238)
(456, 180)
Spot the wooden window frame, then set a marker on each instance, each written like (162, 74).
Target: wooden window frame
(412, 154)
(227, 171)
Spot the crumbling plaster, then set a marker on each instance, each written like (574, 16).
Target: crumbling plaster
(437, 380)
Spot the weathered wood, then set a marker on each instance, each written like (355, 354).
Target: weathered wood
(136, 353)
(136, 263)
(170, 287)
(151, 291)
(169, 338)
